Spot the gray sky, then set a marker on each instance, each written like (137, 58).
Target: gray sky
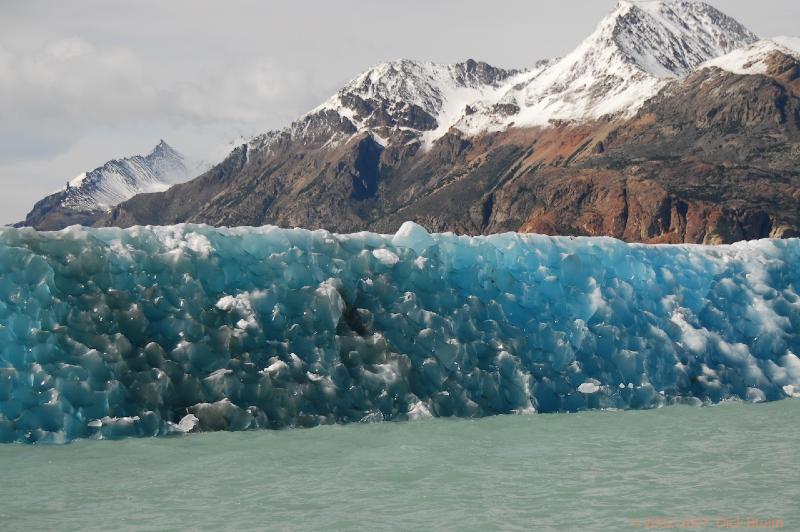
(85, 81)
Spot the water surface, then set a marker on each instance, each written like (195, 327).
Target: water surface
(599, 470)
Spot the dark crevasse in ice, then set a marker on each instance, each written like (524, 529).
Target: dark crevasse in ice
(108, 333)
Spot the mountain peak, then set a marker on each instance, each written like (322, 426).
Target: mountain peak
(421, 82)
(630, 55)
(163, 149)
(120, 179)
(668, 38)
(418, 97)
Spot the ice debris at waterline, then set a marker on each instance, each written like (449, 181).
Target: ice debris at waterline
(157, 330)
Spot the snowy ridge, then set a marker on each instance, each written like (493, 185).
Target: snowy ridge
(428, 85)
(752, 59)
(443, 92)
(121, 179)
(418, 97)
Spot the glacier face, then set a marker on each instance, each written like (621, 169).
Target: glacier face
(107, 333)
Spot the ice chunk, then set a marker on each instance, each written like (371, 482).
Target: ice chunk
(187, 423)
(419, 410)
(330, 303)
(411, 235)
(588, 388)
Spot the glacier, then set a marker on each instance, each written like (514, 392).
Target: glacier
(107, 333)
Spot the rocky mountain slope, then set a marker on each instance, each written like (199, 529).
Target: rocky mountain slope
(671, 122)
(92, 194)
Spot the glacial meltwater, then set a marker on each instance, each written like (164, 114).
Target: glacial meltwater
(597, 470)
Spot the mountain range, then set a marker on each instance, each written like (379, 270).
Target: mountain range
(671, 122)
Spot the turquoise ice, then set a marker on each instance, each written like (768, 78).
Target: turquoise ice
(107, 333)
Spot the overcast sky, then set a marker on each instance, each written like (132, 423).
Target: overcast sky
(85, 81)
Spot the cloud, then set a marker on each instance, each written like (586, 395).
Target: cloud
(71, 102)
(69, 85)
(51, 94)
(69, 48)
(248, 93)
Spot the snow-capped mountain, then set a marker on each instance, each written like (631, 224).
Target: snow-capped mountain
(120, 179)
(671, 122)
(104, 187)
(630, 56)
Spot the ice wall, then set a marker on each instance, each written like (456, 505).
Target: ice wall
(109, 332)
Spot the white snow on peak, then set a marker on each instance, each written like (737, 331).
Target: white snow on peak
(77, 181)
(672, 37)
(121, 179)
(752, 58)
(631, 54)
(422, 83)
(442, 91)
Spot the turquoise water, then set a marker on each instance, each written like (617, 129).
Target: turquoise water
(599, 470)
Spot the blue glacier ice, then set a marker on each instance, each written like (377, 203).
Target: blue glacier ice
(106, 333)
